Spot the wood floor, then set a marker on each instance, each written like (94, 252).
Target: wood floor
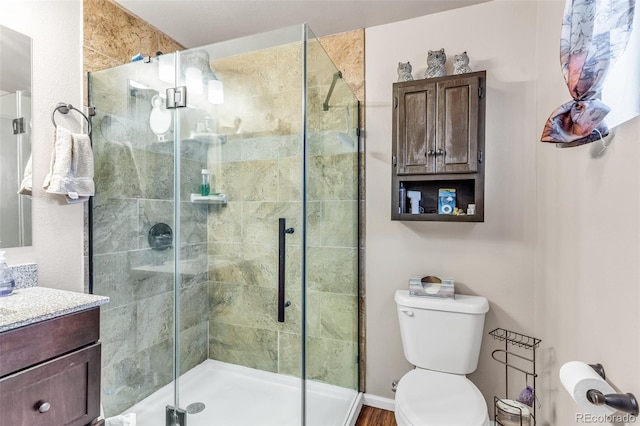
(370, 416)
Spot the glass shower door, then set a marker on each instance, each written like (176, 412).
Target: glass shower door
(332, 252)
(244, 120)
(15, 152)
(133, 238)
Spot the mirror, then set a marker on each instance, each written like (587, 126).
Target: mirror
(15, 139)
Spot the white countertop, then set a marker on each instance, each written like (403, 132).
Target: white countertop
(33, 304)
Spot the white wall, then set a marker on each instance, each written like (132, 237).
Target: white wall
(588, 244)
(494, 258)
(56, 30)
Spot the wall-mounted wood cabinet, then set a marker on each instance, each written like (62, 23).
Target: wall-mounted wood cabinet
(438, 142)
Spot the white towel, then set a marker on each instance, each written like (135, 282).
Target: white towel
(71, 171)
(26, 186)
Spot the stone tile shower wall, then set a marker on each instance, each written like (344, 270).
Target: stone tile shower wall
(260, 170)
(112, 35)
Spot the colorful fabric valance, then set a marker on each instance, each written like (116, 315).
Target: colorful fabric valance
(594, 34)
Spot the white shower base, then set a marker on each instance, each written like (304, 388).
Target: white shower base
(241, 396)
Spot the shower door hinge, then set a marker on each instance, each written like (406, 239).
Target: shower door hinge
(91, 111)
(175, 416)
(18, 125)
(177, 97)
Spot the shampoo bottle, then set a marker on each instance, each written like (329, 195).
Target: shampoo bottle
(7, 283)
(403, 199)
(205, 187)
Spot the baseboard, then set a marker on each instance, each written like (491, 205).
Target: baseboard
(379, 402)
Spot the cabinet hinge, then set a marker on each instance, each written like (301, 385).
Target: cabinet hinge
(176, 97)
(395, 161)
(395, 102)
(481, 92)
(479, 156)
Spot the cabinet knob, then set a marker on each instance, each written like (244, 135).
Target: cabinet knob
(431, 152)
(440, 151)
(43, 406)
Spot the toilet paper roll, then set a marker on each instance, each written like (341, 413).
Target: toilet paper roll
(577, 378)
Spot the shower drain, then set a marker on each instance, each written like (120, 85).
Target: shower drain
(195, 408)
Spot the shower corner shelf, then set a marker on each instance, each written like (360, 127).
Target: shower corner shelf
(218, 199)
(527, 347)
(207, 137)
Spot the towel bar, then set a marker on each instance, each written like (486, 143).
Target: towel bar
(64, 109)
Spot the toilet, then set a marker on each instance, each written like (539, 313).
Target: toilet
(441, 338)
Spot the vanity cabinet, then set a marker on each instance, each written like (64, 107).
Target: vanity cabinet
(50, 372)
(438, 142)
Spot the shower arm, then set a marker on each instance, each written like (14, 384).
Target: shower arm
(336, 76)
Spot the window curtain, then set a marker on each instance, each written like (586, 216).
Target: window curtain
(594, 34)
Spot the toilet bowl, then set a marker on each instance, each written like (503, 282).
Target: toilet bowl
(442, 339)
(431, 398)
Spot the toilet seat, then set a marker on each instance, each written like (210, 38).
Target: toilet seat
(432, 398)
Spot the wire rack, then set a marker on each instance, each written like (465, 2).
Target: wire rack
(514, 338)
(529, 345)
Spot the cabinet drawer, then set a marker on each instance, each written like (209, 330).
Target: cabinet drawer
(69, 384)
(35, 343)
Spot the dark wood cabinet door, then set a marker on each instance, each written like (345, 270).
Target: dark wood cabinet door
(70, 385)
(457, 128)
(415, 127)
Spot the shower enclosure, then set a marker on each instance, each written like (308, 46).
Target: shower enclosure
(239, 307)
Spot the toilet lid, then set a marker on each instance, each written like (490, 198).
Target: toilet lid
(431, 398)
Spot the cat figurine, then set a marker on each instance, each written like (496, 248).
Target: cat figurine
(404, 71)
(461, 63)
(435, 64)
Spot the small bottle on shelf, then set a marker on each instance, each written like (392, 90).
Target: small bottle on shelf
(205, 187)
(403, 199)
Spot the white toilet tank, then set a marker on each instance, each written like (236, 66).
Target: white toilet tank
(442, 334)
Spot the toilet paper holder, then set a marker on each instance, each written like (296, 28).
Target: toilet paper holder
(626, 402)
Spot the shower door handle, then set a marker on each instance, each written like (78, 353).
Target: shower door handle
(282, 253)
